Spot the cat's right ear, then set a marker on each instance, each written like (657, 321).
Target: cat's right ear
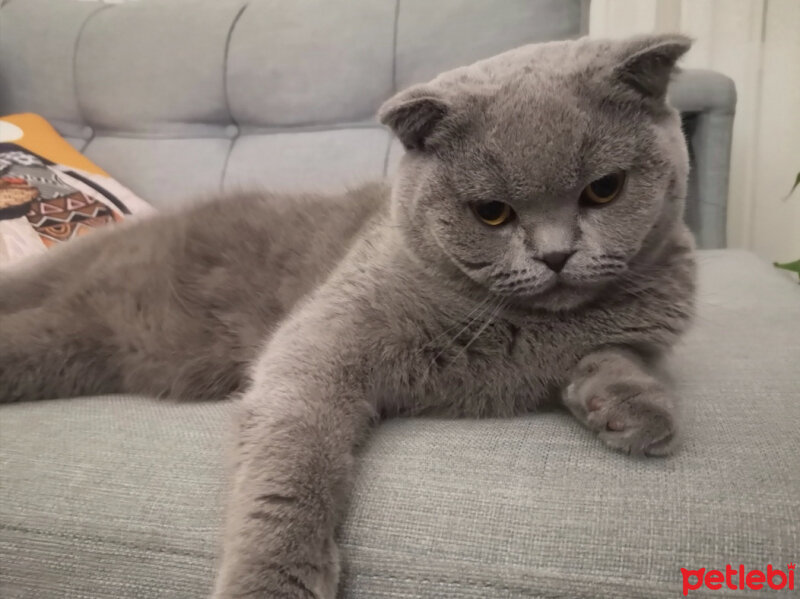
(648, 63)
(414, 115)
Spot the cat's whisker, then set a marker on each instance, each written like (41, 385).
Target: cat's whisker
(483, 327)
(487, 307)
(458, 323)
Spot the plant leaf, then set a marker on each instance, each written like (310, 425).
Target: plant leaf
(791, 191)
(793, 266)
(790, 266)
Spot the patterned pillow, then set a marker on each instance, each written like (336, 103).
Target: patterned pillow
(51, 193)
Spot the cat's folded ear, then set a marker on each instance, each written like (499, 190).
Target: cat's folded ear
(414, 115)
(648, 62)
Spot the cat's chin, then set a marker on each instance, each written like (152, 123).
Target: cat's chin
(561, 297)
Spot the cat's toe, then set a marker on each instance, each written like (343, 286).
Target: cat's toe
(635, 417)
(640, 423)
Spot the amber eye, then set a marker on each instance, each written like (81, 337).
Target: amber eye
(603, 190)
(493, 213)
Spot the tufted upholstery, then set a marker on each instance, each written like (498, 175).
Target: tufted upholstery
(180, 98)
(276, 94)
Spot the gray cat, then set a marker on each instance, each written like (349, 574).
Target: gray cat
(531, 248)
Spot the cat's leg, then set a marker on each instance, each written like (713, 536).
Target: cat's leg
(36, 280)
(23, 289)
(615, 393)
(297, 434)
(66, 317)
(48, 348)
(50, 351)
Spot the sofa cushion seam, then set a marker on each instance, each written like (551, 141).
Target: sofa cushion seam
(226, 95)
(81, 112)
(394, 80)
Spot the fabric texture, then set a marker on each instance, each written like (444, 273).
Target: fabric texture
(278, 52)
(309, 160)
(40, 36)
(168, 172)
(174, 121)
(132, 77)
(121, 497)
(433, 37)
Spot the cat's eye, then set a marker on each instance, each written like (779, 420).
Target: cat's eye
(603, 190)
(493, 214)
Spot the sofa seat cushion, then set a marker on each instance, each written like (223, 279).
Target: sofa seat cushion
(121, 496)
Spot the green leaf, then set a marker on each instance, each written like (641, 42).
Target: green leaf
(793, 266)
(790, 266)
(791, 191)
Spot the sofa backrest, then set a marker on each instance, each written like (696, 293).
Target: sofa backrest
(179, 98)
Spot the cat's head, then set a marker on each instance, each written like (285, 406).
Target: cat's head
(541, 173)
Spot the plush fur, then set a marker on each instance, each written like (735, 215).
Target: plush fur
(327, 313)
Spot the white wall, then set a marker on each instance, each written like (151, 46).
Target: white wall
(757, 44)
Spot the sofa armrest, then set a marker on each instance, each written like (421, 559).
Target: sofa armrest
(707, 102)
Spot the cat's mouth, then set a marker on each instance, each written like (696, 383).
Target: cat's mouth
(542, 288)
(525, 288)
(566, 294)
(556, 293)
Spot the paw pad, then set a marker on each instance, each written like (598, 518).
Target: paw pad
(616, 424)
(594, 403)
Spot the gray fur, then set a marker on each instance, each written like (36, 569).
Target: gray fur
(327, 313)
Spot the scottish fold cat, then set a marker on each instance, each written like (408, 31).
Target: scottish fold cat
(531, 248)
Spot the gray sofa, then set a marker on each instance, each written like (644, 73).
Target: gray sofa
(120, 497)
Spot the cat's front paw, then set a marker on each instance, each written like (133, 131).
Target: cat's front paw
(634, 414)
(302, 580)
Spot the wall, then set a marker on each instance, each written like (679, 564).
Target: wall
(757, 44)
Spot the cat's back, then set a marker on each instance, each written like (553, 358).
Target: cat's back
(238, 245)
(276, 245)
(284, 218)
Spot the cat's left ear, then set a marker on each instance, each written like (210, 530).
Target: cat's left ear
(648, 63)
(415, 115)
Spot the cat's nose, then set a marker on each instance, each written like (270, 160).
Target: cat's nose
(556, 260)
